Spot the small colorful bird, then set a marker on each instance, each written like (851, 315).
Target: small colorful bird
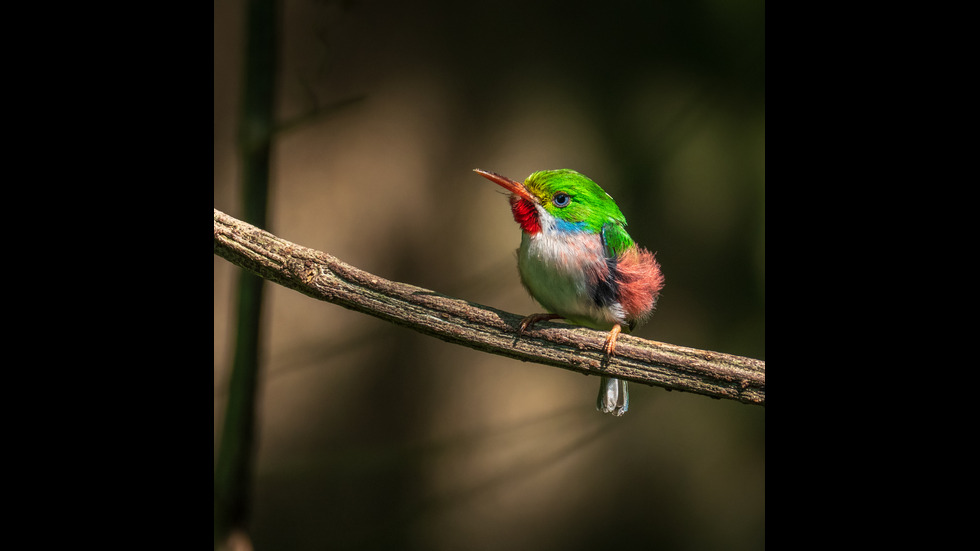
(577, 260)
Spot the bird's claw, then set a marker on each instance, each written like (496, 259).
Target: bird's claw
(534, 318)
(610, 347)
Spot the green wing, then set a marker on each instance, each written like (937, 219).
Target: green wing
(615, 238)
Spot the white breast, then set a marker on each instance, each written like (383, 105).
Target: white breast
(557, 268)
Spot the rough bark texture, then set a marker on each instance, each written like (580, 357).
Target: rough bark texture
(326, 278)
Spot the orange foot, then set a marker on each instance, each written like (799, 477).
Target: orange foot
(535, 318)
(610, 346)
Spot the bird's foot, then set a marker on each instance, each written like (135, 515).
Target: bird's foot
(535, 318)
(610, 346)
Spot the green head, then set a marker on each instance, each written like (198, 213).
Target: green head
(574, 198)
(563, 199)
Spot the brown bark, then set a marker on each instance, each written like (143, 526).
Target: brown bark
(324, 277)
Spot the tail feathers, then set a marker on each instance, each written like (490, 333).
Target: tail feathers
(614, 396)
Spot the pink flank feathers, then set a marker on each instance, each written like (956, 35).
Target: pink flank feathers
(639, 280)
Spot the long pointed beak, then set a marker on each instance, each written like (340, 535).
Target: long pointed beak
(512, 186)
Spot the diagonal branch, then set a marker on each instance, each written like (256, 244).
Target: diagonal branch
(454, 320)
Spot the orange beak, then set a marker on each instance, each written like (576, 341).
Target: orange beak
(512, 186)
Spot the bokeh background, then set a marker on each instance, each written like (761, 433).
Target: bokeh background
(371, 436)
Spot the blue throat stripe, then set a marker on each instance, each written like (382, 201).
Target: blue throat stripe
(564, 226)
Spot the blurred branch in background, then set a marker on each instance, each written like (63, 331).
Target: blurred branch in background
(233, 467)
(324, 277)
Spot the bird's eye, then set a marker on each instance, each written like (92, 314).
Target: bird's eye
(561, 199)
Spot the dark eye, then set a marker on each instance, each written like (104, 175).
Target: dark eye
(561, 199)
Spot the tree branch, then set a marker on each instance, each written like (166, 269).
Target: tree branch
(579, 349)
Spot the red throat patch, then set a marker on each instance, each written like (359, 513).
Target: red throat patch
(525, 214)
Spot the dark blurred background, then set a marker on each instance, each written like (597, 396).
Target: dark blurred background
(371, 436)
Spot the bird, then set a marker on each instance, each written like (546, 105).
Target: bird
(578, 262)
